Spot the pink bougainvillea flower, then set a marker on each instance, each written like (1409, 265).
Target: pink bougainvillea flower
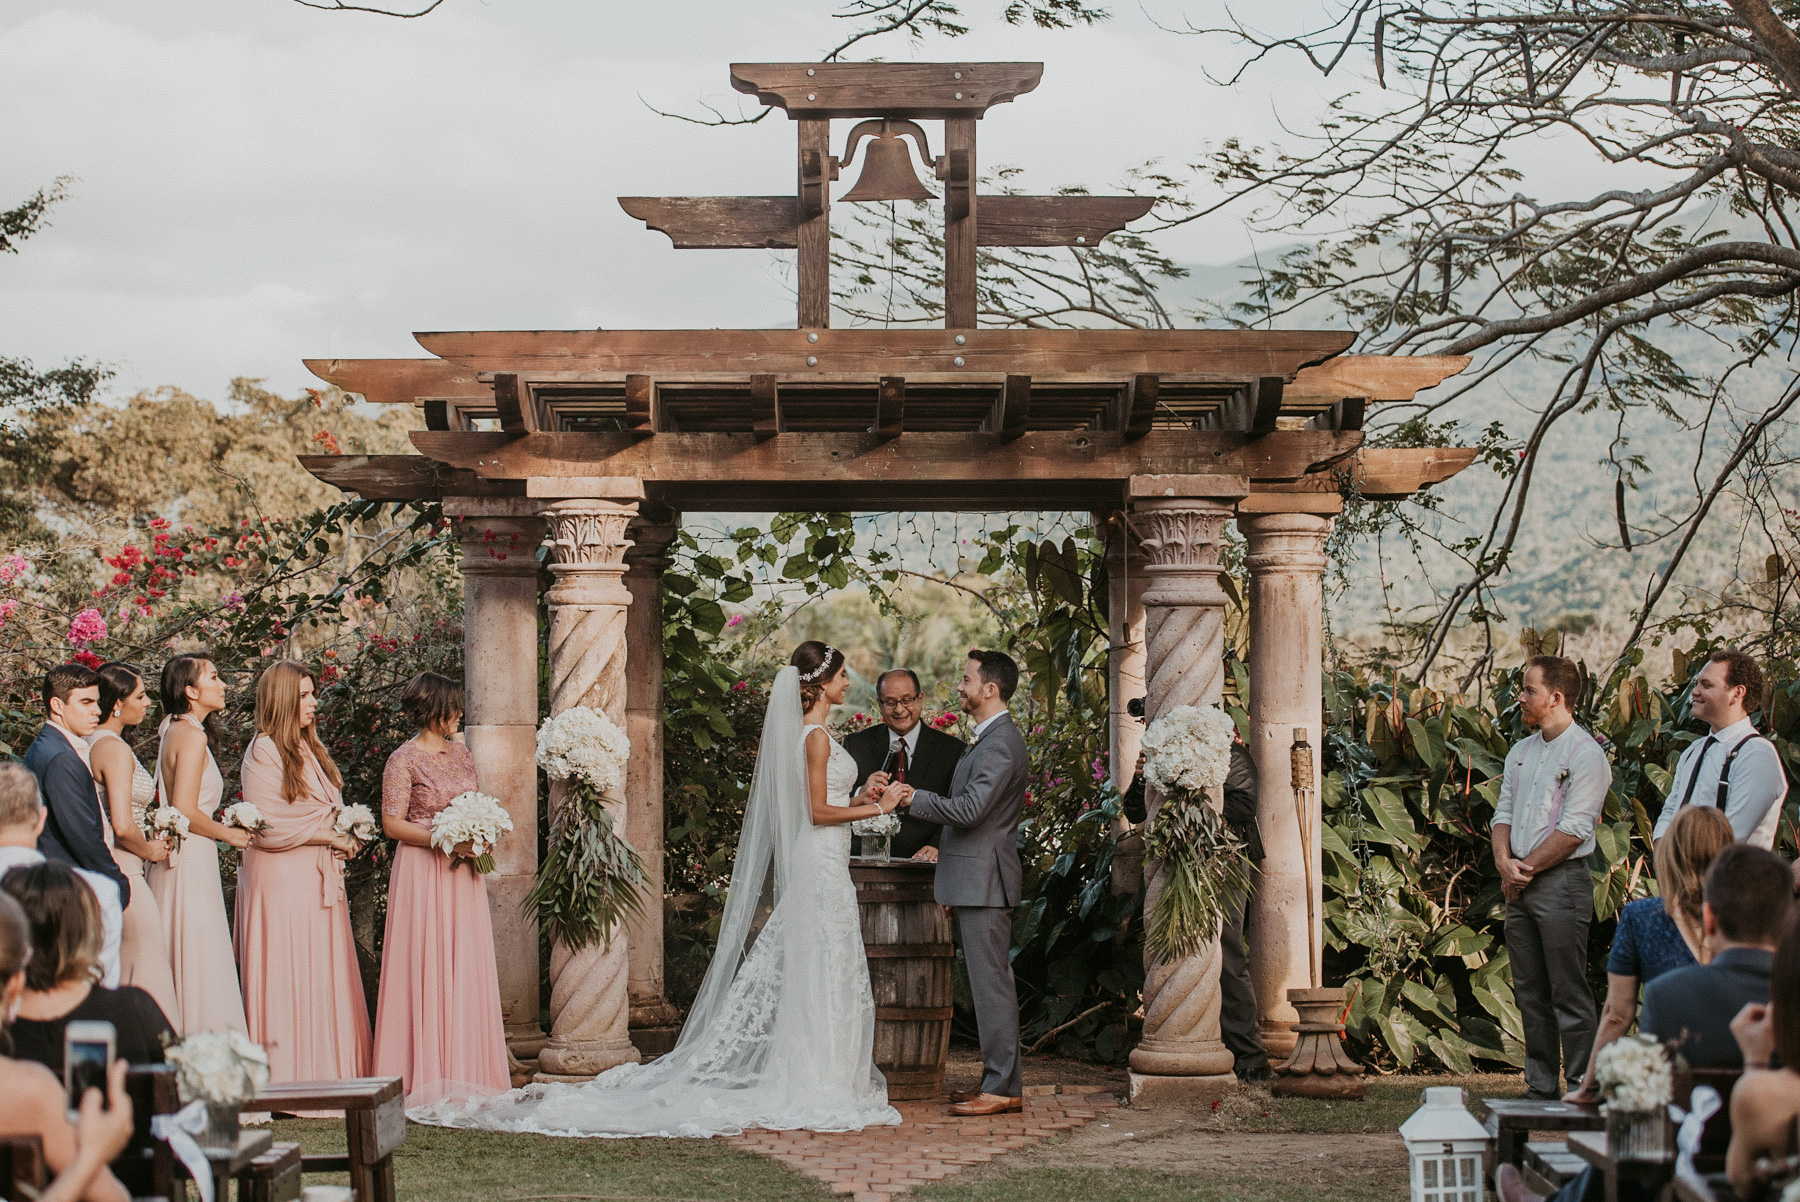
(736, 619)
(87, 627)
(741, 686)
(88, 659)
(12, 567)
(7, 608)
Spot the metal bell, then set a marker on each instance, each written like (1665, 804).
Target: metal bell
(887, 173)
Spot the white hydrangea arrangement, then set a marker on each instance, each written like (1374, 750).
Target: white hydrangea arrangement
(472, 818)
(582, 743)
(359, 823)
(220, 1067)
(590, 879)
(1186, 752)
(245, 816)
(881, 825)
(1634, 1075)
(1189, 748)
(166, 822)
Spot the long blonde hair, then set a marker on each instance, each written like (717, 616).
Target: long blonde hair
(278, 719)
(1693, 841)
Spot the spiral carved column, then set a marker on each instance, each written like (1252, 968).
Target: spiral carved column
(500, 538)
(1181, 1057)
(589, 992)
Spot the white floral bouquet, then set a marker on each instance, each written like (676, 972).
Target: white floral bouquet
(880, 825)
(220, 1067)
(590, 879)
(166, 822)
(1189, 748)
(472, 818)
(1201, 862)
(1633, 1074)
(582, 743)
(359, 823)
(245, 816)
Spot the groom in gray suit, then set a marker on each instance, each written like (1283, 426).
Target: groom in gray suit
(978, 873)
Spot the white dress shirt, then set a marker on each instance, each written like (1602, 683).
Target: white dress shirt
(910, 738)
(106, 892)
(975, 735)
(1758, 785)
(1533, 801)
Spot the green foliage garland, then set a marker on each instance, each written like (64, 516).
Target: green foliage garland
(1203, 868)
(591, 880)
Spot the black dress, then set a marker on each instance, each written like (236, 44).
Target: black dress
(134, 1014)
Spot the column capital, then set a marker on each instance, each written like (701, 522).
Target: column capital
(1285, 542)
(1181, 537)
(499, 545)
(587, 550)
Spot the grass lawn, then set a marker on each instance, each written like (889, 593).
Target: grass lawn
(1242, 1151)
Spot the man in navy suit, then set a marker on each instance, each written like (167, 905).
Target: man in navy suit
(73, 831)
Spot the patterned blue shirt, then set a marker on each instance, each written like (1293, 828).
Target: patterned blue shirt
(1647, 943)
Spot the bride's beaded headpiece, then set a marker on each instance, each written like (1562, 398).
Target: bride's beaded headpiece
(830, 654)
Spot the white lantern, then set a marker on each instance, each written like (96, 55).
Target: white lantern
(1446, 1146)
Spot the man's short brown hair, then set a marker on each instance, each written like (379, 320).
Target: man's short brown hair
(1750, 892)
(1741, 671)
(1560, 676)
(19, 798)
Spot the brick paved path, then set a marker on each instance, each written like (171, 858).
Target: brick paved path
(931, 1144)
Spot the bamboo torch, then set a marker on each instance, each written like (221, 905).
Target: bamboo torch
(1300, 757)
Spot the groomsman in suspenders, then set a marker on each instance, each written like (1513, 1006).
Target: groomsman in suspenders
(1733, 767)
(1551, 794)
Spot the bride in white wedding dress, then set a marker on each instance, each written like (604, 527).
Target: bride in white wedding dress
(782, 1033)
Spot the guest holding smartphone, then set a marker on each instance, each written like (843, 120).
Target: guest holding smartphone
(302, 989)
(126, 791)
(438, 1023)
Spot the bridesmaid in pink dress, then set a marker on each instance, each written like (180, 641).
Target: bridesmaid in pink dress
(303, 994)
(438, 1023)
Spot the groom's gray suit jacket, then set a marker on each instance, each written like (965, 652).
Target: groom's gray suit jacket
(978, 858)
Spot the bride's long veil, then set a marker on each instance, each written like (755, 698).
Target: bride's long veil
(775, 1037)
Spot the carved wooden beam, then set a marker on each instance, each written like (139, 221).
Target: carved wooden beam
(519, 413)
(765, 407)
(1346, 414)
(1012, 409)
(643, 416)
(1137, 407)
(890, 407)
(1376, 377)
(1225, 355)
(1254, 409)
(720, 222)
(1055, 220)
(400, 381)
(404, 478)
(1377, 473)
(920, 91)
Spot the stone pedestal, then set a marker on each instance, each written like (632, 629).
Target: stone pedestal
(500, 538)
(1181, 1057)
(654, 1023)
(1286, 559)
(1319, 1067)
(589, 996)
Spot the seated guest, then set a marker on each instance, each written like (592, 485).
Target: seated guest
(1747, 896)
(1659, 934)
(32, 1101)
(22, 818)
(61, 979)
(1767, 1098)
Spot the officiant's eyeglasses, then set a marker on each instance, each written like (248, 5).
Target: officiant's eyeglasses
(899, 703)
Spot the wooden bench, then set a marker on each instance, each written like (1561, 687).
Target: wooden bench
(374, 1126)
(1510, 1122)
(1649, 1174)
(272, 1177)
(22, 1166)
(1550, 1166)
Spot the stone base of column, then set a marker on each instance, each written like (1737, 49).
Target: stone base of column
(654, 1025)
(1149, 1091)
(584, 1060)
(1278, 1038)
(1319, 1066)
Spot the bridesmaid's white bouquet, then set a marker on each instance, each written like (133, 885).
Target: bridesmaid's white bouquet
(220, 1067)
(590, 879)
(881, 825)
(166, 822)
(245, 816)
(357, 822)
(474, 818)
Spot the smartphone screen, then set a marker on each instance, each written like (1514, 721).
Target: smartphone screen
(87, 1053)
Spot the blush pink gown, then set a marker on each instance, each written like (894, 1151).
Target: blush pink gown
(303, 994)
(438, 1022)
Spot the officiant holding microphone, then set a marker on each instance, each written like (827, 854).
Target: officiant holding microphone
(908, 751)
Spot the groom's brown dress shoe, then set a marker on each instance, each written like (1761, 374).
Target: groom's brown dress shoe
(960, 1096)
(988, 1103)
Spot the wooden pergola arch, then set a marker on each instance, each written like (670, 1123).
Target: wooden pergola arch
(600, 439)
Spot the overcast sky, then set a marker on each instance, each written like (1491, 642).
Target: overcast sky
(259, 183)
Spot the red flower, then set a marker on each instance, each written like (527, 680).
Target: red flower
(88, 659)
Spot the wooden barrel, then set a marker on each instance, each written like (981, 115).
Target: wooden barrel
(912, 971)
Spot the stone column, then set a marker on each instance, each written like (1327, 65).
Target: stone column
(500, 538)
(654, 1023)
(1181, 1057)
(589, 1000)
(1287, 620)
(1125, 580)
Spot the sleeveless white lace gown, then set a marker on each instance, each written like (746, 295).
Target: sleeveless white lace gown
(806, 1065)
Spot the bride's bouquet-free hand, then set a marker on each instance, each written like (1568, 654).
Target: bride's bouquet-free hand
(166, 822)
(245, 816)
(590, 879)
(1186, 752)
(472, 818)
(359, 823)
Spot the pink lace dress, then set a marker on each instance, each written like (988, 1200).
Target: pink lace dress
(438, 1022)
